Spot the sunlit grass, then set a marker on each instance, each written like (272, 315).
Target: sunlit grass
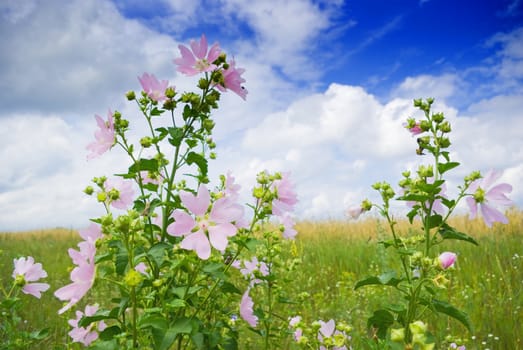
(488, 281)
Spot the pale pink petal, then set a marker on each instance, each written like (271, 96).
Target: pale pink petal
(218, 235)
(327, 328)
(199, 243)
(224, 210)
(447, 259)
(246, 309)
(472, 206)
(198, 204)
(35, 289)
(183, 223)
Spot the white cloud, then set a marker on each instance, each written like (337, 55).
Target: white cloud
(336, 142)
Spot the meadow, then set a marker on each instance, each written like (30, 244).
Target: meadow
(334, 255)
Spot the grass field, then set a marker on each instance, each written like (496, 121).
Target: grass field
(488, 282)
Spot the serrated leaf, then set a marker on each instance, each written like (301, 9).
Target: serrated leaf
(156, 112)
(381, 320)
(143, 164)
(433, 221)
(448, 232)
(447, 309)
(176, 136)
(153, 320)
(110, 332)
(444, 167)
(386, 279)
(98, 316)
(199, 160)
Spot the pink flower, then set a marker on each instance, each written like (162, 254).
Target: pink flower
(413, 127)
(446, 260)
(197, 60)
(232, 80)
(125, 192)
(211, 225)
(142, 268)
(354, 211)
(86, 335)
(285, 196)
(328, 329)
(105, 137)
(82, 275)
(152, 87)
(232, 190)
(27, 271)
(298, 332)
(288, 226)
(487, 197)
(246, 309)
(250, 267)
(91, 233)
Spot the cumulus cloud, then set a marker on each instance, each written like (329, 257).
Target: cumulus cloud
(336, 141)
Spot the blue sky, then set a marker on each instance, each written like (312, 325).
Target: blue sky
(330, 83)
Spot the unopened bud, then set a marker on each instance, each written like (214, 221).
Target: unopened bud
(89, 190)
(130, 95)
(169, 92)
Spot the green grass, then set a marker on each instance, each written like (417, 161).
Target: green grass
(488, 282)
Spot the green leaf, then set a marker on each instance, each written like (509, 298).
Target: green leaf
(98, 316)
(144, 165)
(200, 161)
(120, 264)
(40, 334)
(176, 136)
(386, 279)
(433, 221)
(156, 112)
(110, 332)
(381, 320)
(153, 320)
(105, 345)
(447, 309)
(447, 232)
(157, 253)
(444, 167)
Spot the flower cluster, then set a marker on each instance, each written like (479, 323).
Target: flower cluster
(85, 335)
(83, 275)
(209, 225)
(321, 335)
(25, 271)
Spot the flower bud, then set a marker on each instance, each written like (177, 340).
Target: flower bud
(89, 190)
(101, 197)
(443, 142)
(130, 95)
(203, 83)
(169, 92)
(397, 334)
(424, 125)
(208, 125)
(133, 278)
(446, 260)
(445, 127)
(438, 117)
(146, 142)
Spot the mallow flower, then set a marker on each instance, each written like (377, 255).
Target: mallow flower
(232, 80)
(328, 329)
(83, 275)
(25, 270)
(86, 335)
(124, 190)
(154, 88)
(286, 196)
(197, 59)
(104, 137)
(246, 309)
(446, 260)
(488, 196)
(210, 226)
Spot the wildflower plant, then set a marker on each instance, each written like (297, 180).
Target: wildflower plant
(26, 280)
(423, 272)
(165, 246)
